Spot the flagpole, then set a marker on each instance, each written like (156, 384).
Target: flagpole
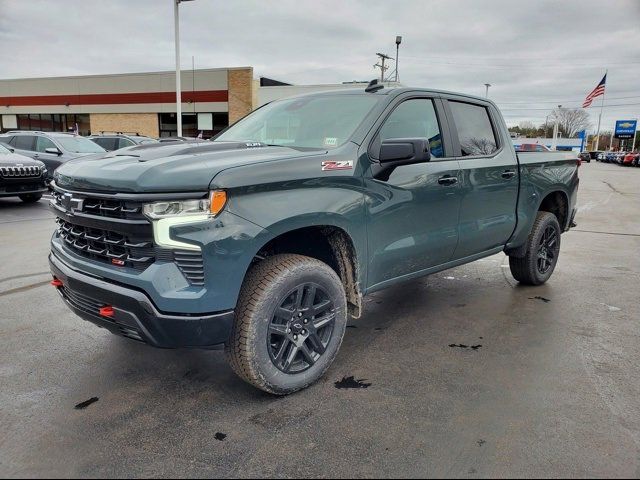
(600, 116)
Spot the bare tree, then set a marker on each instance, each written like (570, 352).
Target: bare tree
(571, 120)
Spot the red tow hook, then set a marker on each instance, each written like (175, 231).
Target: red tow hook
(107, 311)
(57, 283)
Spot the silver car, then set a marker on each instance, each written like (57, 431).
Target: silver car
(51, 148)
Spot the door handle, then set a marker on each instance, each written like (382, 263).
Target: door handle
(508, 174)
(448, 180)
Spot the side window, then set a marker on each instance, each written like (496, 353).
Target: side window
(42, 143)
(107, 143)
(125, 142)
(474, 129)
(415, 118)
(24, 142)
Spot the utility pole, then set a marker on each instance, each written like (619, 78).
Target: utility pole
(383, 68)
(398, 42)
(486, 93)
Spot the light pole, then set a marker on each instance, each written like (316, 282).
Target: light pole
(176, 18)
(486, 93)
(398, 42)
(554, 144)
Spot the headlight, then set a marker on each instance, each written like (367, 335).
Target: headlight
(159, 210)
(165, 215)
(180, 208)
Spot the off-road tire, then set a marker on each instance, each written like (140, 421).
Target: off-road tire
(265, 287)
(525, 269)
(30, 197)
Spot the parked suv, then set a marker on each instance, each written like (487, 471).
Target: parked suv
(116, 141)
(21, 176)
(51, 148)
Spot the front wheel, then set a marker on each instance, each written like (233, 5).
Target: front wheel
(543, 249)
(290, 320)
(30, 197)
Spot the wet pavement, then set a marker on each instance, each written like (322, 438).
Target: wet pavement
(461, 374)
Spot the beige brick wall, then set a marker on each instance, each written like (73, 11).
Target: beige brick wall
(241, 93)
(142, 123)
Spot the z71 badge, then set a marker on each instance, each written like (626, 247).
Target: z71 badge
(333, 165)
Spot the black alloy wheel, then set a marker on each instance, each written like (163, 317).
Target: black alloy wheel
(548, 249)
(301, 328)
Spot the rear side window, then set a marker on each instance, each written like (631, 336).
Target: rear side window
(108, 143)
(415, 118)
(125, 142)
(24, 142)
(475, 131)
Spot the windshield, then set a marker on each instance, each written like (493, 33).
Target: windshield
(4, 150)
(309, 122)
(79, 144)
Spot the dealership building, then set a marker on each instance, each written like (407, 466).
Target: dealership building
(142, 103)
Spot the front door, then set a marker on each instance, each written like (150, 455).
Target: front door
(488, 182)
(413, 216)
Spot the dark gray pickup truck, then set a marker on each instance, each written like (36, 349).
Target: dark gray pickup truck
(266, 239)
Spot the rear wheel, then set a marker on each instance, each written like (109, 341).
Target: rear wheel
(543, 250)
(290, 321)
(30, 197)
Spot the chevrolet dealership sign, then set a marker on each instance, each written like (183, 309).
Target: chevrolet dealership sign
(626, 128)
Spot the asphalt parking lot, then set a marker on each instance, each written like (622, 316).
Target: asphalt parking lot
(470, 374)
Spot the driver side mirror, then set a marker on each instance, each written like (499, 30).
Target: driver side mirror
(397, 152)
(53, 151)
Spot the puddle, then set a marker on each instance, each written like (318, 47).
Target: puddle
(465, 347)
(86, 403)
(538, 297)
(351, 382)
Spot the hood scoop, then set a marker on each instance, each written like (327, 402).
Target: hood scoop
(191, 149)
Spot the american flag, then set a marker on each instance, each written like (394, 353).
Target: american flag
(599, 90)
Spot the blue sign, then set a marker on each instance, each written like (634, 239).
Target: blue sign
(626, 128)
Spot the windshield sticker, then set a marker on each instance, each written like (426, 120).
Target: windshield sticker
(330, 142)
(332, 165)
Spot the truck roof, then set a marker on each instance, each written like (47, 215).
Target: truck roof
(390, 91)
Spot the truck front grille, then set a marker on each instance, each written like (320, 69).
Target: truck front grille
(116, 232)
(107, 246)
(28, 171)
(101, 207)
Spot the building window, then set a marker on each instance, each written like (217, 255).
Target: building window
(47, 122)
(209, 124)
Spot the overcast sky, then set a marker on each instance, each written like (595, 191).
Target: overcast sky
(536, 54)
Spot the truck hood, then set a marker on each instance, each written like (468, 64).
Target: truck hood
(158, 168)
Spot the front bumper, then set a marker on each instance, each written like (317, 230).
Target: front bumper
(134, 315)
(25, 188)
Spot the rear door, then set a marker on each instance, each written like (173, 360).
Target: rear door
(489, 177)
(413, 215)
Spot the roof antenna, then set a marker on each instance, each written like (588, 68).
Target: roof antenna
(373, 86)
